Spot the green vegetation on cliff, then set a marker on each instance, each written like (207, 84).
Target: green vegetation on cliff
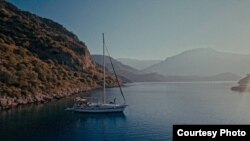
(40, 60)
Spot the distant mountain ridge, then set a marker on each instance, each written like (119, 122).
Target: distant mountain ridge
(130, 74)
(202, 62)
(227, 76)
(138, 64)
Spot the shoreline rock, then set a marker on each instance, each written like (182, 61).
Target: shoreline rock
(41, 60)
(8, 102)
(243, 85)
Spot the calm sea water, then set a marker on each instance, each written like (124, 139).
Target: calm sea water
(153, 109)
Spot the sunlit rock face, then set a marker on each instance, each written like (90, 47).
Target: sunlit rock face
(40, 60)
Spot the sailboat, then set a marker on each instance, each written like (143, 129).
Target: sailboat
(85, 106)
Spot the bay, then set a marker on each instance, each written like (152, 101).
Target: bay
(153, 109)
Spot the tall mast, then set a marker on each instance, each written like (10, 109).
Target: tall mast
(114, 72)
(104, 80)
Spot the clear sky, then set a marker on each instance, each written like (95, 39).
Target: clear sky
(151, 29)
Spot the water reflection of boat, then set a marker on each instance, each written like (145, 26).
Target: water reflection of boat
(110, 126)
(86, 106)
(116, 116)
(91, 118)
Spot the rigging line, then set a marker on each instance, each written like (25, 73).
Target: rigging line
(115, 74)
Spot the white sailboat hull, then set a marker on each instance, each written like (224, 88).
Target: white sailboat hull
(97, 108)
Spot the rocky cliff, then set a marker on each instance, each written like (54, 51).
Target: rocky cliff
(40, 60)
(244, 85)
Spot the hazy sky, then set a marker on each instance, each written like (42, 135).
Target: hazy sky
(151, 29)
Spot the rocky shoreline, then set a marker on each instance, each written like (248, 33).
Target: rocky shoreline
(42, 61)
(8, 102)
(240, 89)
(243, 85)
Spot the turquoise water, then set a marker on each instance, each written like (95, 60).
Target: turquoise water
(153, 109)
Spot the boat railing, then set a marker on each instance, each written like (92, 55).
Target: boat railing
(90, 99)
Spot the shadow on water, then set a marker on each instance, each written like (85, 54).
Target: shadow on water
(102, 120)
(52, 122)
(110, 118)
(97, 126)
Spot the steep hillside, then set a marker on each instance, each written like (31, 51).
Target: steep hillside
(40, 60)
(202, 62)
(128, 73)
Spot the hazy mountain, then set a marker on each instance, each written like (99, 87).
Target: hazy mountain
(41, 60)
(202, 62)
(128, 73)
(219, 77)
(138, 64)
